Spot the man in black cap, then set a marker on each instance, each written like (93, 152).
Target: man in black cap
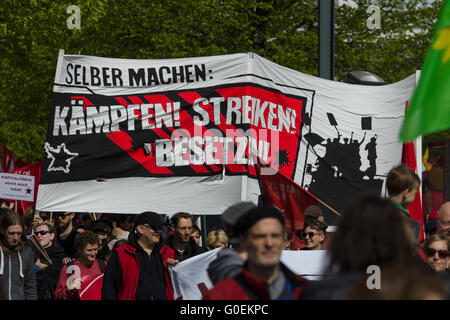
(138, 270)
(263, 276)
(103, 230)
(229, 261)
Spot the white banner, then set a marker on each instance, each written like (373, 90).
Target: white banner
(190, 277)
(17, 187)
(175, 134)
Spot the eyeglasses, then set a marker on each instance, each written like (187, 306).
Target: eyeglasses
(62, 215)
(442, 253)
(45, 217)
(310, 234)
(14, 233)
(42, 233)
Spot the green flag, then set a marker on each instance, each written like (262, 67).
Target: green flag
(429, 110)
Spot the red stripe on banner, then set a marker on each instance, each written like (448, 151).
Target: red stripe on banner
(122, 101)
(136, 100)
(86, 102)
(123, 140)
(185, 118)
(190, 97)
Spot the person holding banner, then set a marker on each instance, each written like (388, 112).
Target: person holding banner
(181, 242)
(82, 278)
(263, 276)
(138, 270)
(16, 260)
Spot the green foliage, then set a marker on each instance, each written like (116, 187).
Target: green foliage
(283, 31)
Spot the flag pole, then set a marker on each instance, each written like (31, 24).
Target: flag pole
(15, 206)
(95, 216)
(51, 216)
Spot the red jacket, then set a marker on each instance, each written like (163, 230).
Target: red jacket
(130, 267)
(91, 282)
(232, 289)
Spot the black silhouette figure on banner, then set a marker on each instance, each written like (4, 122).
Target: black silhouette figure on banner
(371, 148)
(336, 176)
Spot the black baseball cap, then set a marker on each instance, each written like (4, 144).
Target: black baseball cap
(153, 219)
(101, 225)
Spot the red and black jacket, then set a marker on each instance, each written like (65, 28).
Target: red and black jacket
(246, 286)
(130, 266)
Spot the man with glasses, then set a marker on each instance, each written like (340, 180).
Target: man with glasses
(48, 274)
(138, 270)
(66, 232)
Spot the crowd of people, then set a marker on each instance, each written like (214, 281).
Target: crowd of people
(105, 256)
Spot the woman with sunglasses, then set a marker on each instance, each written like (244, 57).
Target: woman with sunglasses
(436, 249)
(47, 275)
(313, 233)
(16, 260)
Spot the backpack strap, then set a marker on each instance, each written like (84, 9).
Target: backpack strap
(247, 289)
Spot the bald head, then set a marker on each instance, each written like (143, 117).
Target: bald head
(443, 223)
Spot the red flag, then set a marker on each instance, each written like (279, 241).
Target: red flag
(10, 161)
(286, 195)
(415, 208)
(29, 170)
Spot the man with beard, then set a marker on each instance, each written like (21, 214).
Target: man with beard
(181, 241)
(263, 276)
(66, 232)
(16, 260)
(47, 274)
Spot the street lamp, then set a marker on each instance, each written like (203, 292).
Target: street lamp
(364, 77)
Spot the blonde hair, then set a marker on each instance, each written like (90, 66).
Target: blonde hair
(217, 236)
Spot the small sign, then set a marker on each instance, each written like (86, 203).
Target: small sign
(16, 187)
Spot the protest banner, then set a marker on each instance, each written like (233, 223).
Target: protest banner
(176, 134)
(190, 278)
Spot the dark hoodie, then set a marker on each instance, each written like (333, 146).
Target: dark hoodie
(17, 273)
(151, 284)
(228, 264)
(191, 249)
(47, 279)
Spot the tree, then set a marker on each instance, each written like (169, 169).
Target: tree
(283, 31)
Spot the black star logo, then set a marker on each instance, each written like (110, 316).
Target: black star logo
(60, 157)
(28, 190)
(282, 158)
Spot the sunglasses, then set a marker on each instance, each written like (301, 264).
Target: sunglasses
(442, 253)
(45, 217)
(310, 234)
(42, 233)
(62, 215)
